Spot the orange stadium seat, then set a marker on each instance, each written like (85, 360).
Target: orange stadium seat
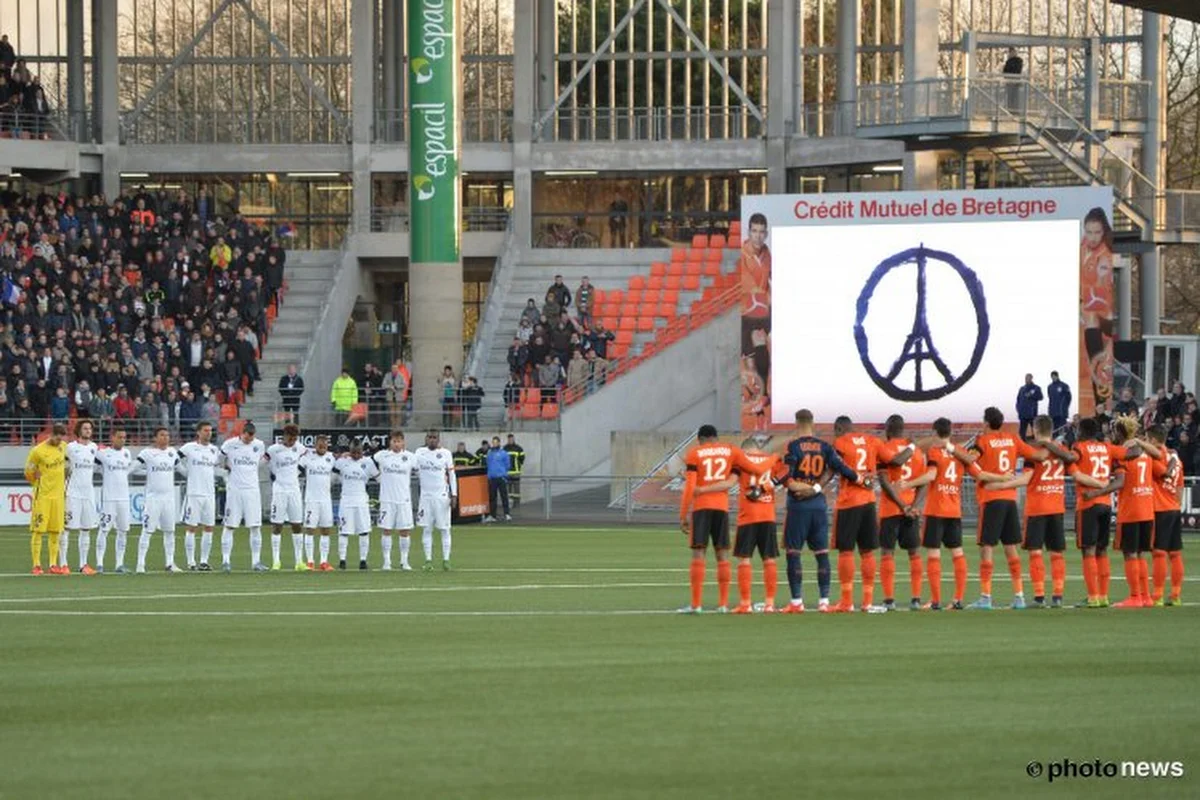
(229, 411)
(637, 282)
(616, 297)
(531, 410)
(619, 350)
(699, 240)
(666, 310)
(658, 268)
(600, 295)
(550, 411)
(630, 308)
(693, 268)
(711, 269)
(713, 256)
(678, 255)
(696, 255)
(691, 282)
(627, 325)
(656, 282)
(735, 229)
(673, 283)
(670, 296)
(676, 269)
(645, 324)
(717, 241)
(625, 336)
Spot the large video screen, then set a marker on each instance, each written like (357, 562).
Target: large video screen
(924, 304)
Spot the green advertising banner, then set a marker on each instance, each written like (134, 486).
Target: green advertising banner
(433, 145)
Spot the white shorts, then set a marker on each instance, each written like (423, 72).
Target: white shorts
(199, 511)
(434, 512)
(115, 516)
(81, 514)
(395, 516)
(318, 513)
(159, 513)
(354, 519)
(286, 506)
(243, 507)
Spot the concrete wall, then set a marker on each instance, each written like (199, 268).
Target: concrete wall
(324, 359)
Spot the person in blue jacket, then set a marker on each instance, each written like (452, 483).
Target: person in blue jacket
(1059, 395)
(1028, 397)
(498, 463)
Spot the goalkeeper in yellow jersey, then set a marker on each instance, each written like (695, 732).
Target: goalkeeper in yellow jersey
(46, 470)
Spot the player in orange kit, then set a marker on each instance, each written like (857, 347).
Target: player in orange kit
(1134, 479)
(999, 520)
(1168, 523)
(756, 526)
(900, 515)
(704, 513)
(1093, 515)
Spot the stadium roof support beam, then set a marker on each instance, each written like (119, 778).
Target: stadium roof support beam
(713, 61)
(180, 59)
(588, 65)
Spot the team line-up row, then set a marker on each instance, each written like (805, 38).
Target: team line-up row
(63, 497)
(919, 510)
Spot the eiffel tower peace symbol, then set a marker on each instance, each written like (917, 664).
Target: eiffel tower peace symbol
(919, 346)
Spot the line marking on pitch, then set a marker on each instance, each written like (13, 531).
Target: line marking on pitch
(10, 612)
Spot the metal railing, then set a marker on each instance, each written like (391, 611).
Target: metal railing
(17, 124)
(826, 119)
(394, 219)
(479, 125)
(305, 126)
(379, 415)
(584, 229)
(651, 124)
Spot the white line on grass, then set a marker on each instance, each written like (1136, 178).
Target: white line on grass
(10, 612)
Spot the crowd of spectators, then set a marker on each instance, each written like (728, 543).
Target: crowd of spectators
(554, 348)
(23, 105)
(147, 309)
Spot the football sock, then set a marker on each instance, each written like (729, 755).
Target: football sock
(1037, 572)
(724, 579)
(795, 576)
(696, 579)
(1160, 573)
(143, 548)
(276, 546)
(446, 545)
(985, 578)
(745, 575)
(255, 546)
(169, 547)
(205, 546)
(364, 546)
(1143, 577)
(1103, 573)
(933, 563)
(887, 575)
(405, 544)
(85, 547)
(298, 547)
(1176, 557)
(916, 572)
(824, 575)
(226, 545)
(54, 537)
(122, 537)
(101, 548)
(1089, 576)
(385, 541)
(308, 546)
(427, 543)
(1058, 573)
(771, 579)
(960, 577)
(64, 544)
(846, 577)
(1133, 576)
(189, 548)
(324, 549)
(1014, 573)
(868, 578)
(343, 546)
(35, 548)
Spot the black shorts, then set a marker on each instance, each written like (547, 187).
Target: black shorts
(1093, 527)
(1135, 537)
(710, 525)
(1168, 531)
(806, 526)
(899, 530)
(760, 536)
(856, 527)
(942, 532)
(1045, 531)
(1000, 523)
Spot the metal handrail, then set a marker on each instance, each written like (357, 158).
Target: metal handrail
(493, 307)
(658, 123)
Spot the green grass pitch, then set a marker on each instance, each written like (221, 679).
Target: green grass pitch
(544, 666)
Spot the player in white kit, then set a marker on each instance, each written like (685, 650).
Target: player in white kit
(81, 497)
(243, 497)
(439, 491)
(116, 462)
(318, 498)
(395, 498)
(160, 462)
(286, 503)
(201, 459)
(354, 515)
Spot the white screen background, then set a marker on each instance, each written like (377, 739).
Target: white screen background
(1030, 276)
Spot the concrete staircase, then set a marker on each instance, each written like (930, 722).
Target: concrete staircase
(310, 276)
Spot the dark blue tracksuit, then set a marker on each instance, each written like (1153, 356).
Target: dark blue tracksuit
(807, 521)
